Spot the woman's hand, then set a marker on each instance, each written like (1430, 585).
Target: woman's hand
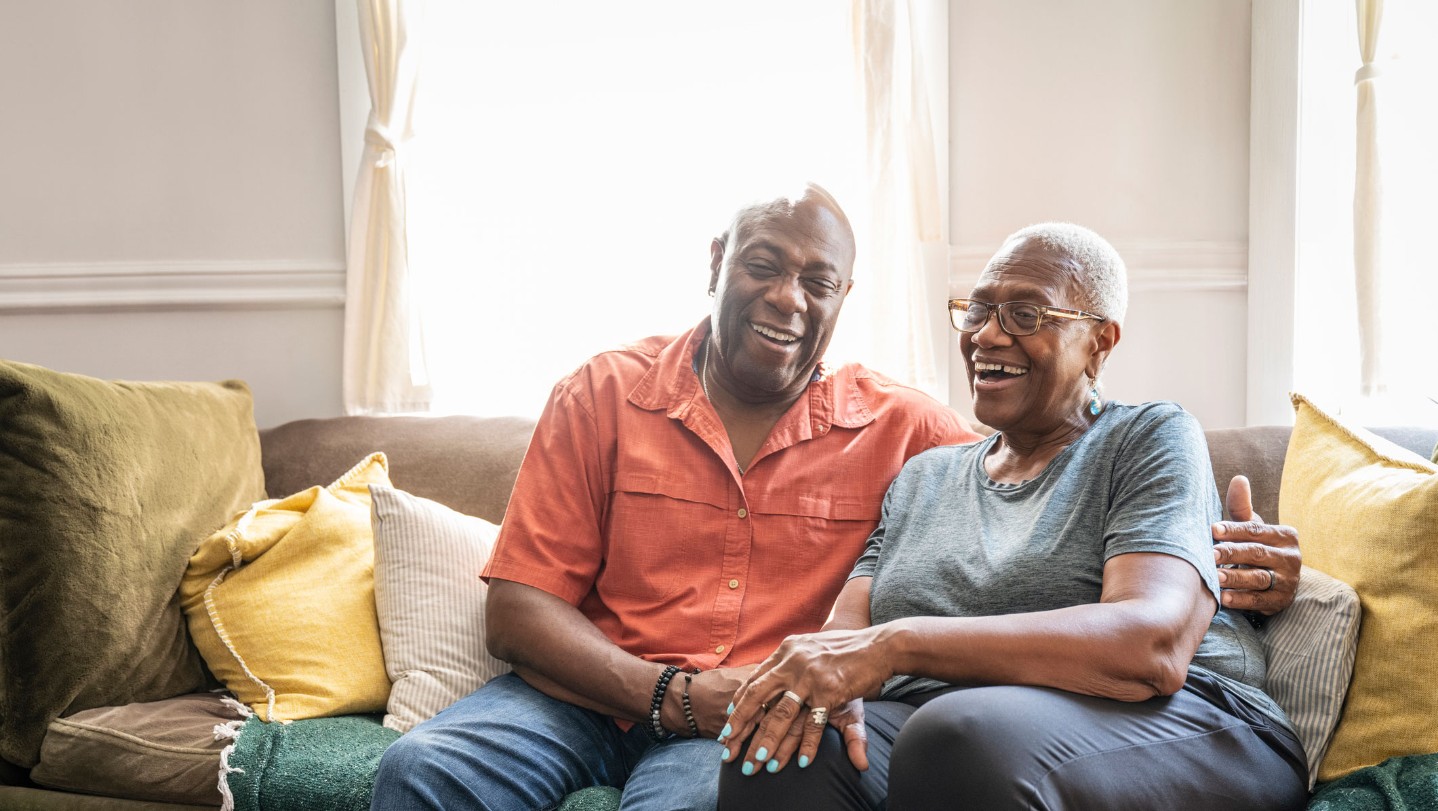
(828, 671)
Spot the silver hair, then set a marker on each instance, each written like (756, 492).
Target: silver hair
(1101, 280)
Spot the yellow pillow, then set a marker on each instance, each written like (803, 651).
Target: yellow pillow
(281, 602)
(1366, 511)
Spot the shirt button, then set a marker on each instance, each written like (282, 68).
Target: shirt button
(733, 584)
(719, 649)
(743, 513)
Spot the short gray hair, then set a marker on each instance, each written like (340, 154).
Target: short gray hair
(1102, 281)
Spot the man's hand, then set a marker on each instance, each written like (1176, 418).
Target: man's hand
(1269, 551)
(710, 692)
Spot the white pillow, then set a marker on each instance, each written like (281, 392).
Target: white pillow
(1311, 646)
(430, 602)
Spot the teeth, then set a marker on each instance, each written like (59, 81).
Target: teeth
(996, 367)
(778, 336)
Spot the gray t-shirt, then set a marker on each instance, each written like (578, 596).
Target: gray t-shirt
(954, 543)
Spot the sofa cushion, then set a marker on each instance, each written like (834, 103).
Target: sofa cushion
(281, 601)
(1367, 511)
(163, 751)
(1311, 646)
(108, 488)
(431, 603)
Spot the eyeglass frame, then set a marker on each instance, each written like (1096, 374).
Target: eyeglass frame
(995, 310)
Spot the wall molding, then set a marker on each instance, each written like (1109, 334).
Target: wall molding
(1185, 266)
(170, 285)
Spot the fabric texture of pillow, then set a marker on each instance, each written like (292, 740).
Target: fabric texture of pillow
(1367, 511)
(281, 602)
(108, 488)
(1311, 646)
(160, 751)
(431, 603)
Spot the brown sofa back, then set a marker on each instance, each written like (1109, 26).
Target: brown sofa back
(1258, 453)
(469, 463)
(465, 463)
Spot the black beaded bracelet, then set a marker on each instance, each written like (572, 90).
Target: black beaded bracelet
(689, 708)
(656, 729)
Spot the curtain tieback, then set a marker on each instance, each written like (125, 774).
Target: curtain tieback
(383, 139)
(1367, 73)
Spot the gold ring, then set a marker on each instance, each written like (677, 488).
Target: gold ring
(819, 715)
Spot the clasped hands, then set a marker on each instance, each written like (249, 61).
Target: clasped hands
(811, 681)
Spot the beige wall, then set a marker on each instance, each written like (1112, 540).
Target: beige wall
(173, 203)
(172, 195)
(1131, 117)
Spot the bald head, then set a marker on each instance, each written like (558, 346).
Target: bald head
(809, 202)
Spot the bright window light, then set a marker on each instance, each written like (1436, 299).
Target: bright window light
(1326, 362)
(572, 162)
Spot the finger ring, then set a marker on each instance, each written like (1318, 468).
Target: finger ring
(1272, 578)
(820, 716)
(795, 696)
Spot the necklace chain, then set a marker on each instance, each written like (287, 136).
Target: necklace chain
(704, 384)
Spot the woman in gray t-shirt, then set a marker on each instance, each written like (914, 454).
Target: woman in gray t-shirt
(1035, 622)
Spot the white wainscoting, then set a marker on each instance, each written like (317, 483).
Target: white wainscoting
(170, 285)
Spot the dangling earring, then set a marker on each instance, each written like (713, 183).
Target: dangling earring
(1095, 405)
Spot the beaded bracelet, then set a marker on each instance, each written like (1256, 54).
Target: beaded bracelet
(656, 729)
(689, 708)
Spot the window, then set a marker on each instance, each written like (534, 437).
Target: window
(1327, 358)
(572, 161)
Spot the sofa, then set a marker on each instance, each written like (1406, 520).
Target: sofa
(468, 464)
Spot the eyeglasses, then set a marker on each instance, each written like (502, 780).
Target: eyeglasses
(1015, 317)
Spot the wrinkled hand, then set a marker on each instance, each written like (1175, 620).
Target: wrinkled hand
(1248, 542)
(831, 670)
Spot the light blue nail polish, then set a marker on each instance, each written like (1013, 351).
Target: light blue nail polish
(748, 769)
(731, 709)
(724, 755)
(762, 755)
(728, 729)
(773, 766)
(803, 761)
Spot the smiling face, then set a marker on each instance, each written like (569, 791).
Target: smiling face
(1034, 384)
(779, 277)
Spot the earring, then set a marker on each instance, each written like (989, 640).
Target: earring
(711, 292)
(1095, 405)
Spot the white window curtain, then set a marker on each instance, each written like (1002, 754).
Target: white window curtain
(384, 359)
(571, 162)
(1368, 204)
(1364, 284)
(901, 49)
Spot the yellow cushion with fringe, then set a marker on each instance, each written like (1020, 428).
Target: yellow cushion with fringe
(1366, 511)
(280, 602)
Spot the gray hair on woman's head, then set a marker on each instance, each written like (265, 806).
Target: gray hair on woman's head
(1102, 279)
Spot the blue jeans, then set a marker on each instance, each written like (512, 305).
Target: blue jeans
(509, 747)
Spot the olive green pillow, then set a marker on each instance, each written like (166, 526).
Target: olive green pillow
(106, 488)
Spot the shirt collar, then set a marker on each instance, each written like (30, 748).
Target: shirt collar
(672, 385)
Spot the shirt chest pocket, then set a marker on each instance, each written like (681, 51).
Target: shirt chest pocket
(661, 533)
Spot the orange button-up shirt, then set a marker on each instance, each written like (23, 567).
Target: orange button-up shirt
(630, 507)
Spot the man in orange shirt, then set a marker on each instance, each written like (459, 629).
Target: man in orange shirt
(684, 505)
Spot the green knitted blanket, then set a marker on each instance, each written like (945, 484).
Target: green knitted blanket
(1396, 784)
(329, 764)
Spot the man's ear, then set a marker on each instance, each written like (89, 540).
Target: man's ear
(1105, 338)
(716, 263)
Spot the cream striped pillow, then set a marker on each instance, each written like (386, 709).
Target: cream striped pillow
(1311, 647)
(430, 602)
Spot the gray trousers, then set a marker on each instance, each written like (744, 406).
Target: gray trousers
(994, 748)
